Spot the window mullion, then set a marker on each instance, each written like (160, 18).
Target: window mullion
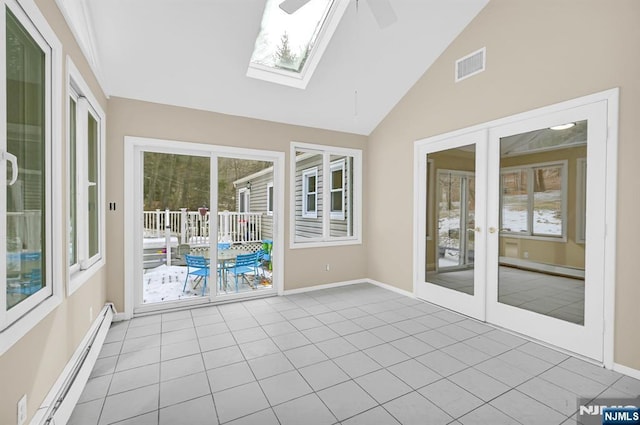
(326, 195)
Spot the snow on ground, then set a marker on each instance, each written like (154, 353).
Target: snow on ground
(164, 283)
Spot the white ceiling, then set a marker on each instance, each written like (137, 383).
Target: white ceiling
(195, 53)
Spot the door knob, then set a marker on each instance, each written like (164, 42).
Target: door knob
(492, 229)
(477, 229)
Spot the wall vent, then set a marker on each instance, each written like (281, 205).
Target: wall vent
(471, 64)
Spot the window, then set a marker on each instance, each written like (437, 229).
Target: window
(310, 193)
(244, 200)
(270, 198)
(337, 190)
(290, 43)
(533, 200)
(30, 152)
(326, 195)
(86, 191)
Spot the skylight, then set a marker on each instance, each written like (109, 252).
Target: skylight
(289, 46)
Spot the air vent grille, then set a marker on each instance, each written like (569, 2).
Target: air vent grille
(471, 64)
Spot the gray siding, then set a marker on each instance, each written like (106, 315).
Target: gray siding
(258, 202)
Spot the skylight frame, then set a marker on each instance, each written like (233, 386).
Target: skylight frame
(301, 79)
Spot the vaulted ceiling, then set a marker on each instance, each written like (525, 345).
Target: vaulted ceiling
(195, 53)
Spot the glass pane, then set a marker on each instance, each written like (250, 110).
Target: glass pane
(450, 253)
(176, 223)
(515, 202)
(308, 204)
(286, 40)
(26, 213)
(94, 185)
(244, 231)
(341, 197)
(73, 194)
(538, 270)
(547, 201)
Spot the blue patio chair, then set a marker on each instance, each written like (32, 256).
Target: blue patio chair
(245, 263)
(200, 268)
(224, 245)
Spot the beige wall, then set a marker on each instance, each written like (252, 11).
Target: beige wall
(538, 53)
(302, 267)
(34, 363)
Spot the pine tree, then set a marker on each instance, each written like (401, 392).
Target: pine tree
(284, 57)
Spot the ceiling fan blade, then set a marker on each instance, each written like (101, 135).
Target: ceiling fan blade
(291, 6)
(383, 12)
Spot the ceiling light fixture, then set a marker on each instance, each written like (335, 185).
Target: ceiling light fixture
(562, 126)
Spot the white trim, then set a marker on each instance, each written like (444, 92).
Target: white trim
(306, 176)
(86, 102)
(323, 286)
(301, 79)
(100, 327)
(626, 370)
(393, 288)
(541, 267)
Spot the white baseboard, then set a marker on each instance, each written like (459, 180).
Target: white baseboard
(324, 286)
(548, 268)
(120, 317)
(92, 341)
(391, 288)
(626, 370)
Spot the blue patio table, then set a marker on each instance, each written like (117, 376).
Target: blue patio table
(225, 257)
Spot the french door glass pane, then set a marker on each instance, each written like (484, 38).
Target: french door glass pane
(540, 269)
(450, 251)
(176, 223)
(25, 63)
(245, 235)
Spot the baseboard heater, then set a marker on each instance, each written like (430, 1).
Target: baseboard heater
(65, 393)
(543, 268)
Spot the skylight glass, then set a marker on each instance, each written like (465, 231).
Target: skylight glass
(286, 41)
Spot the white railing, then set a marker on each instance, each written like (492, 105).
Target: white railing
(192, 227)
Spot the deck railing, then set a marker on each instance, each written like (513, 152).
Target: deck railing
(193, 227)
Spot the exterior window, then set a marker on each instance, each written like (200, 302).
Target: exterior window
(327, 196)
(533, 201)
(270, 198)
(310, 193)
(244, 200)
(29, 149)
(337, 190)
(86, 192)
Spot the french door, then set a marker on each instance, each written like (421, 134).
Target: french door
(514, 223)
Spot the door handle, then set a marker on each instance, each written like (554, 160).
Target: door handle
(492, 229)
(6, 156)
(477, 229)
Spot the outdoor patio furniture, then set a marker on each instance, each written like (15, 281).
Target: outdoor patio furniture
(244, 264)
(197, 266)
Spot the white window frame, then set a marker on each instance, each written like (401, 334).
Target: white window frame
(581, 195)
(306, 174)
(270, 198)
(335, 166)
(18, 321)
(530, 234)
(244, 197)
(86, 103)
(301, 79)
(354, 216)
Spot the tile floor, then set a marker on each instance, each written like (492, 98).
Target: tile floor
(556, 296)
(358, 354)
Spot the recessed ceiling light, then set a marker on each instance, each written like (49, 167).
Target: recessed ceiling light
(562, 126)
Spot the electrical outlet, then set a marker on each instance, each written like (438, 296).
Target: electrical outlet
(525, 254)
(327, 268)
(90, 314)
(22, 410)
